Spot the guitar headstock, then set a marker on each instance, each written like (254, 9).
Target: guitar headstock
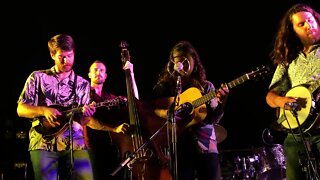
(118, 101)
(260, 72)
(125, 56)
(121, 100)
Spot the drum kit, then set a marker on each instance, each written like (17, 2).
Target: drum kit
(263, 163)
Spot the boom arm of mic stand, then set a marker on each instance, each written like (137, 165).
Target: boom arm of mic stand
(123, 163)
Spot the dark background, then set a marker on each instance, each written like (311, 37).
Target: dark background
(232, 38)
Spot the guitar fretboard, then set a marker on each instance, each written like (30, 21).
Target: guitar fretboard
(259, 72)
(238, 81)
(207, 97)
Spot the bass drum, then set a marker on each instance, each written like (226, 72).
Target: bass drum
(272, 162)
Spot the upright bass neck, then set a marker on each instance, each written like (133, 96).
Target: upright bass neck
(133, 113)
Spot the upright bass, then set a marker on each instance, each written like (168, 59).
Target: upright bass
(144, 161)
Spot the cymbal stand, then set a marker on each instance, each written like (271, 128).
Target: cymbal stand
(311, 166)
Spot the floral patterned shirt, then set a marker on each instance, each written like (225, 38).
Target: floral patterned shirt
(43, 88)
(302, 70)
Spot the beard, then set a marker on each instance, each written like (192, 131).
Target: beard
(63, 68)
(311, 38)
(98, 81)
(67, 68)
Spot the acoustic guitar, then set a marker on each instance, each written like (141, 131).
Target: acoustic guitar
(43, 127)
(194, 98)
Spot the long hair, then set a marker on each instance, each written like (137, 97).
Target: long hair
(287, 44)
(197, 76)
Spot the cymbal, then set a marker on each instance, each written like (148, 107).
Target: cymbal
(221, 133)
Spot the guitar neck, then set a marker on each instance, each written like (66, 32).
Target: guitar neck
(207, 97)
(107, 104)
(103, 103)
(238, 81)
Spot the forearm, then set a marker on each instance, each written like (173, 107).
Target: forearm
(29, 111)
(135, 87)
(273, 99)
(97, 125)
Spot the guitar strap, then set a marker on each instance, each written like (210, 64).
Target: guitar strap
(74, 91)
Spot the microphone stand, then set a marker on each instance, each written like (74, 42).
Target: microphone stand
(171, 118)
(311, 161)
(71, 144)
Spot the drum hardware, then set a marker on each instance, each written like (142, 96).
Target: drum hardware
(264, 163)
(271, 157)
(245, 167)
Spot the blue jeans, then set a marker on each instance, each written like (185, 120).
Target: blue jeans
(57, 165)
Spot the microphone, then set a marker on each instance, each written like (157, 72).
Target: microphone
(178, 67)
(293, 106)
